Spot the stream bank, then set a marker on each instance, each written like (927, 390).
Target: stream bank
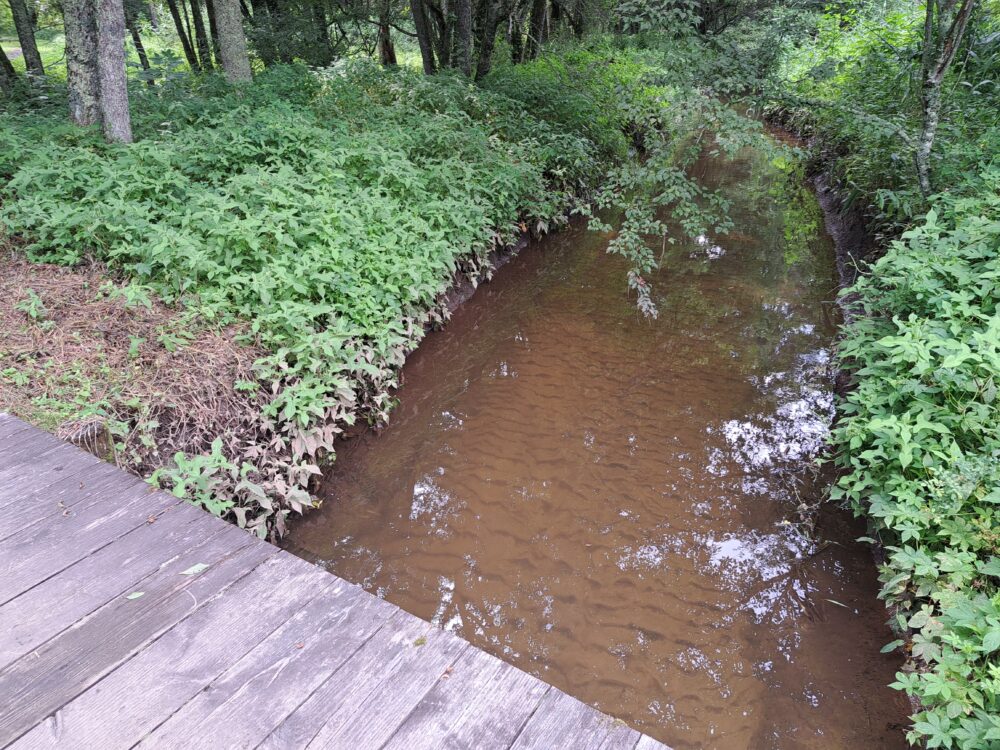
(612, 503)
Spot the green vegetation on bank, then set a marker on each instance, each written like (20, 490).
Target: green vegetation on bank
(326, 212)
(317, 215)
(918, 437)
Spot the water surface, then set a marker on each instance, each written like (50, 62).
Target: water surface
(610, 502)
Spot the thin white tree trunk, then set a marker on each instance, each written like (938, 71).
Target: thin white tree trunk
(934, 66)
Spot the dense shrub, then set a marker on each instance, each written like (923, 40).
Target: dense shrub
(329, 209)
(919, 442)
(919, 435)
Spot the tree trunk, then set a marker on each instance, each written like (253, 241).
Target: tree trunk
(441, 35)
(515, 33)
(8, 76)
(463, 36)
(422, 26)
(154, 17)
(577, 20)
(81, 61)
(204, 48)
(536, 28)
(386, 50)
(323, 33)
(938, 53)
(232, 41)
(140, 49)
(26, 36)
(115, 119)
(487, 40)
(189, 55)
(213, 30)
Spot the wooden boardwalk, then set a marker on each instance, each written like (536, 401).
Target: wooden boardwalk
(131, 619)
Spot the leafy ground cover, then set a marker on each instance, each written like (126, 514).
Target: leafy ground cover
(319, 217)
(93, 360)
(919, 442)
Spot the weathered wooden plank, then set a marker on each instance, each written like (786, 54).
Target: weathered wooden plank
(364, 701)
(25, 473)
(65, 493)
(11, 431)
(564, 723)
(482, 704)
(115, 570)
(22, 443)
(50, 469)
(14, 430)
(43, 550)
(648, 743)
(30, 446)
(622, 737)
(285, 668)
(144, 691)
(10, 425)
(257, 649)
(37, 685)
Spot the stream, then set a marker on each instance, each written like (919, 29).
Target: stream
(610, 502)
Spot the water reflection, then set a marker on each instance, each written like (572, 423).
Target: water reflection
(610, 502)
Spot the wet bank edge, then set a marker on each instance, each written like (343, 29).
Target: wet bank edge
(855, 247)
(846, 224)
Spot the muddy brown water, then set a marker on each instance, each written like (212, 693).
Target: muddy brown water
(610, 502)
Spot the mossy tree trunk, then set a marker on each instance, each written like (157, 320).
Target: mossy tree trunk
(463, 36)
(386, 49)
(81, 61)
(492, 15)
(422, 26)
(536, 29)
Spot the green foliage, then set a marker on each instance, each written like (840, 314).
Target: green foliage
(583, 92)
(329, 209)
(32, 306)
(855, 82)
(919, 437)
(919, 443)
(200, 479)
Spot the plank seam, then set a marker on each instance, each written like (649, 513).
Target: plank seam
(312, 692)
(323, 590)
(129, 530)
(451, 665)
(125, 661)
(530, 716)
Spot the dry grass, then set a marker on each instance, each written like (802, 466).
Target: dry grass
(89, 358)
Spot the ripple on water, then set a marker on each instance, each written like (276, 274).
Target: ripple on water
(610, 502)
